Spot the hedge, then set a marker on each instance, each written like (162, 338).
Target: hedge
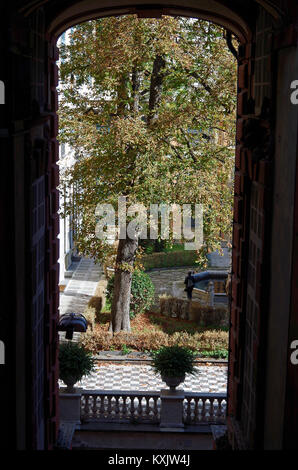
(169, 260)
(142, 292)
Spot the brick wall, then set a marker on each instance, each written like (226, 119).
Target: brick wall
(251, 235)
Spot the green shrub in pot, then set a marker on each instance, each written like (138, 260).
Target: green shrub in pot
(74, 363)
(172, 363)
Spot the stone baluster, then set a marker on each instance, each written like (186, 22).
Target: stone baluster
(102, 406)
(140, 409)
(94, 406)
(132, 406)
(117, 409)
(218, 413)
(125, 410)
(155, 408)
(86, 407)
(196, 410)
(109, 407)
(203, 414)
(188, 410)
(211, 410)
(147, 408)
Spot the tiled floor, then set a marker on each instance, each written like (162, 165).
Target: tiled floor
(211, 379)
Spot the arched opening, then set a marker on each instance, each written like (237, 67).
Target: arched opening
(152, 327)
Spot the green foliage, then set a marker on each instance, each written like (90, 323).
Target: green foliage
(107, 307)
(167, 144)
(74, 361)
(174, 247)
(125, 349)
(142, 292)
(149, 250)
(170, 259)
(158, 246)
(216, 353)
(173, 361)
(153, 246)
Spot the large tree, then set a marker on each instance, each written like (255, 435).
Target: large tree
(149, 108)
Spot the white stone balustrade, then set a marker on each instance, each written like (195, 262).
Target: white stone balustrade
(120, 407)
(202, 408)
(145, 407)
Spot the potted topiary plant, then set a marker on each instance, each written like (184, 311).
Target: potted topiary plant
(74, 363)
(172, 363)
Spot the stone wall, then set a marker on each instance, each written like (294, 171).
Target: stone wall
(217, 316)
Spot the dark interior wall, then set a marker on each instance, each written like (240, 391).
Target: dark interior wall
(262, 320)
(29, 229)
(252, 226)
(282, 234)
(12, 233)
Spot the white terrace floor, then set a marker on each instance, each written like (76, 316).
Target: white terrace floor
(210, 379)
(109, 376)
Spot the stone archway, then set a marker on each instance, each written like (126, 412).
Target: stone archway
(266, 29)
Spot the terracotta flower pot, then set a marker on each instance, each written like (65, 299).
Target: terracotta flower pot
(173, 382)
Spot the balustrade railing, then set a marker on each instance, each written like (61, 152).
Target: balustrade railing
(202, 408)
(144, 407)
(120, 407)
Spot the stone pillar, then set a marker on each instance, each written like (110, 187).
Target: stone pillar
(70, 407)
(171, 415)
(211, 293)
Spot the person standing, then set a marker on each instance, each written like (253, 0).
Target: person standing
(189, 285)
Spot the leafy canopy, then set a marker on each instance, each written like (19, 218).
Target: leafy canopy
(148, 106)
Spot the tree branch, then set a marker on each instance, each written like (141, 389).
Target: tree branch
(136, 83)
(189, 146)
(173, 148)
(230, 45)
(204, 85)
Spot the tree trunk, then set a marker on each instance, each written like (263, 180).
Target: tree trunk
(156, 82)
(122, 285)
(127, 248)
